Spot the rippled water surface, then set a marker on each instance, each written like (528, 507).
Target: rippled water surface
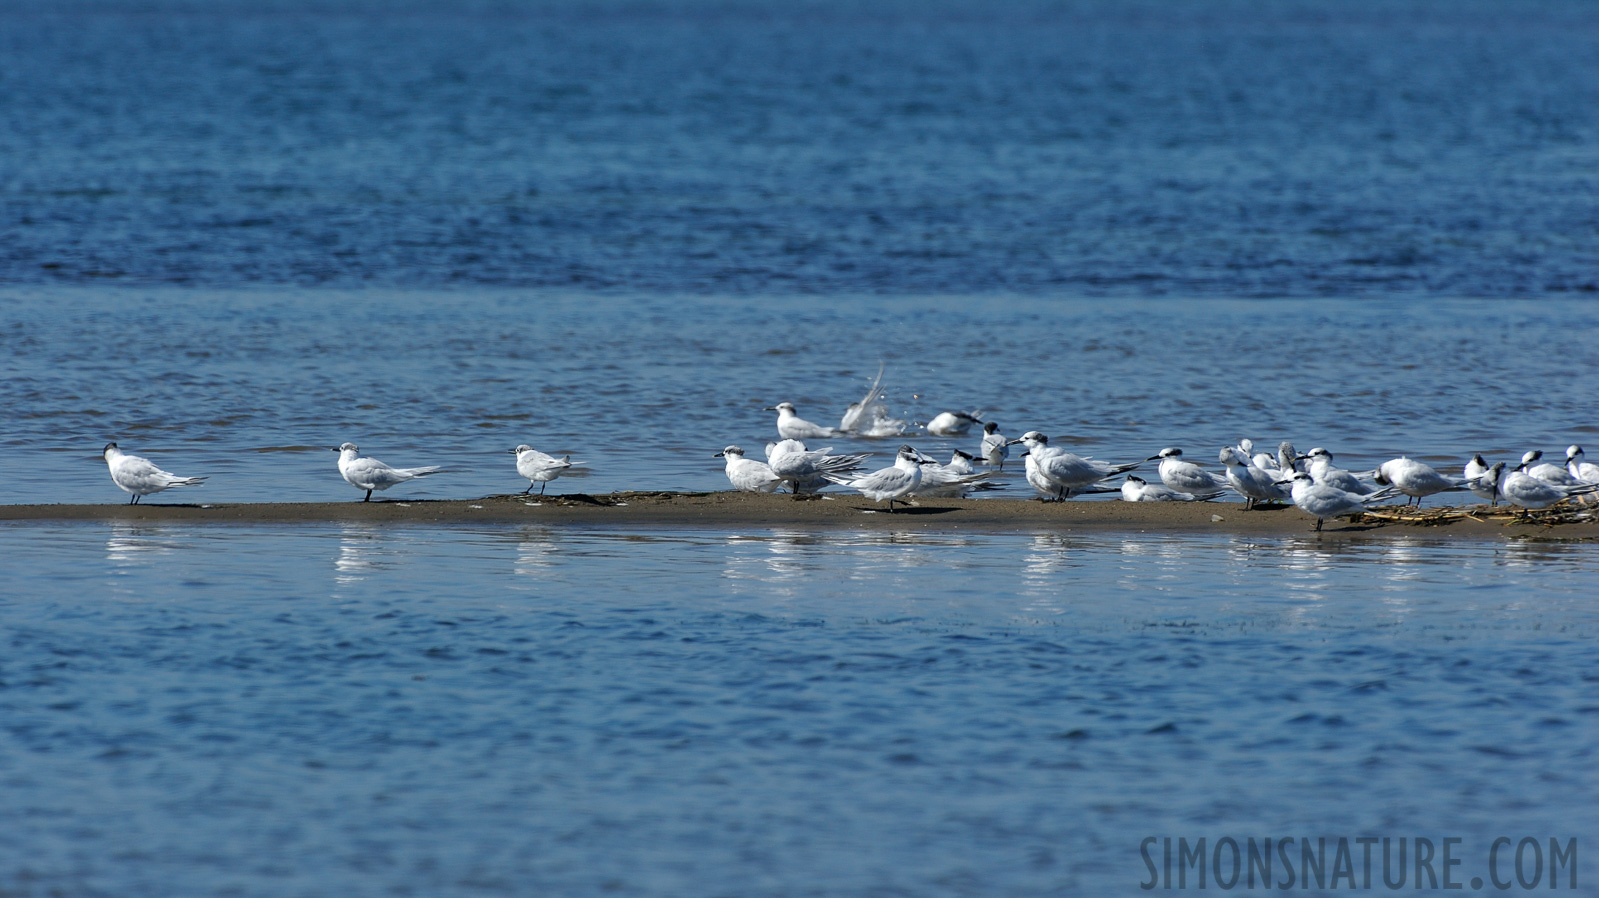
(251, 388)
(233, 235)
(1219, 148)
(340, 710)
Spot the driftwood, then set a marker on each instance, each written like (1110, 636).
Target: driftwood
(1507, 515)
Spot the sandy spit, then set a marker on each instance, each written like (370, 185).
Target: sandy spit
(741, 510)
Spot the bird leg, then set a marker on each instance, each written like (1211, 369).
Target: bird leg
(542, 487)
(529, 488)
(1318, 525)
(368, 496)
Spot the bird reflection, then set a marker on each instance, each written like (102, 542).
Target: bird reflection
(536, 552)
(361, 551)
(136, 544)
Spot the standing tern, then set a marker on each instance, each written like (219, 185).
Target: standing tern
(1136, 489)
(139, 476)
(1065, 473)
(1415, 479)
(1254, 483)
(1185, 476)
(889, 483)
(748, 475)
(370, 474)
(1324, 502)
(790, 426)
(994, 449)
(538, 467)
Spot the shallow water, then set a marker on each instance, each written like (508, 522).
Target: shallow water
(252, 387)
(341, 710)
(233, 235)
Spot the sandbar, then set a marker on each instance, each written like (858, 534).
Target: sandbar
(733, 510)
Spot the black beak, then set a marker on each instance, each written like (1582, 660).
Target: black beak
(1153, 457)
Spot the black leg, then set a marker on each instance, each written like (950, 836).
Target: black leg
(1318, 525)
(529, 488)
(542, 487)
(133, 498)
(368, 496)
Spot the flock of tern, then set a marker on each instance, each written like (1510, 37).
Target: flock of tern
(1311, 481)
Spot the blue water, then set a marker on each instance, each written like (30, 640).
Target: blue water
(251, 388)
(233, 235)
(1092, 147)
(340, 710)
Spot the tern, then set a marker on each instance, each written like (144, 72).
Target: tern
(892, 483)
(953, 424)
(370, 474)
(1526, 491)
(748, 475)
(1288, 460)
(538, 467)
(790, 426)
(1322, 502)
(995, 449)
(1136, 489)
(869, 417)
(1254, 483)
(1065, 473)
(1477, 480)
(1320, 468)
(952, 481)
(1266, 462)
(139, 476)
(1415, 479)
(1586, 471)
(1552, 474)
(806, 470)
(1185, 476)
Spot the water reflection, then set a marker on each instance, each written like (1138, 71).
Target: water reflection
(537, 551)
(779, 560)
(361, 552)
(1045, 557)
(137, 544)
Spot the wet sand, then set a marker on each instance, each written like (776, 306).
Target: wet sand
(740, 510)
